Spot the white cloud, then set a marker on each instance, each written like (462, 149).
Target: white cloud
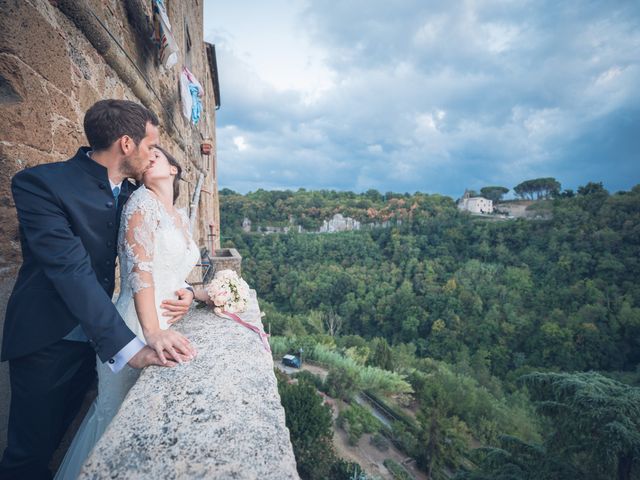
(240, 143)
(429, 32)
(500, 37)
(608, 75)
(271, 41)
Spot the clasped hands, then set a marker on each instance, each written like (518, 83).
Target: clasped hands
(167, 348)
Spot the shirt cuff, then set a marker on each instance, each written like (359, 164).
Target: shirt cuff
(120, 359)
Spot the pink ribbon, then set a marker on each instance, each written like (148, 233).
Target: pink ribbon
(263, 336)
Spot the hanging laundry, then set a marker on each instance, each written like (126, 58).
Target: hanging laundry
(162, 36)
(196, 105)
(191, 92)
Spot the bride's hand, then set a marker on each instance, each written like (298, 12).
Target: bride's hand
(176, 309)
(176, 345)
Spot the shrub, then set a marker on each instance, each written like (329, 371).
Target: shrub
(397, 470)
(308, 377)
(405, 439)
(378, 441)
(356, 420)
(342, 382)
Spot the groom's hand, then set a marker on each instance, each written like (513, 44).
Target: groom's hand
(170, 345)
(176, 309)
(148, 356)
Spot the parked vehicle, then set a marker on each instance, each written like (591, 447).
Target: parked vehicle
(292, 361)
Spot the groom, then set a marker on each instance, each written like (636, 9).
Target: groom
(60, 312)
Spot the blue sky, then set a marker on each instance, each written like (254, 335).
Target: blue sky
(431, 96)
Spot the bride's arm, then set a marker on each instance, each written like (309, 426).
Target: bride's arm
(138, 246)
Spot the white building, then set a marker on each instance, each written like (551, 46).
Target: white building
(475, 204)
(339, 223)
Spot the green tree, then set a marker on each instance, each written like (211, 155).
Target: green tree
(342, 382)
(494, 193)
(538, 188)
(309, 423)
(518, 460)
(381, 355)
(594, 421)
(592, 188)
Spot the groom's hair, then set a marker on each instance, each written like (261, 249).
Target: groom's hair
(108, 120)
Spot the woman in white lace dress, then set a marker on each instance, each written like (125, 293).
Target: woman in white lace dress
(156, 254)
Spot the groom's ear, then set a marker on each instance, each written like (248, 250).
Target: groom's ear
(127, 145)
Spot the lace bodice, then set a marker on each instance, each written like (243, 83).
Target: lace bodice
(155, 250)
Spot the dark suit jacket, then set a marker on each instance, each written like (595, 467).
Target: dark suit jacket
(68, 233)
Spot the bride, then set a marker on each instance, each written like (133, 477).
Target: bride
(156, 253)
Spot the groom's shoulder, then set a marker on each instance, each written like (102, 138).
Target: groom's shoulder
(47, 172)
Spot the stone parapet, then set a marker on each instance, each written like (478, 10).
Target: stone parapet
(227, 259)
(217, 417)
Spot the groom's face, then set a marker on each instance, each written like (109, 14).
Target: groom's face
(141, 157)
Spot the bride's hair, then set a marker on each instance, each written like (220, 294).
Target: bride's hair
(176, 179)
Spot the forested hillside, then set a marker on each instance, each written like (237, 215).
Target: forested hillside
(482, 303)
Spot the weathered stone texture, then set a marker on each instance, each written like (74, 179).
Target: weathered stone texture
(217, 417)
(36, 40)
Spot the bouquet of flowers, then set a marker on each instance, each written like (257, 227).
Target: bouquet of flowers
(228, 292)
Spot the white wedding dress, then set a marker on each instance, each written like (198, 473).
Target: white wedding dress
(155, 250)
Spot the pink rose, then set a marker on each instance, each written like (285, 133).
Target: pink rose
(220, 297)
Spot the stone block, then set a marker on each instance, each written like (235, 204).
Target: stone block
(61, 103)
(87, 96)
(27, 121)
(67, 136)
(30, 35)
(15, 157)
(227, 259)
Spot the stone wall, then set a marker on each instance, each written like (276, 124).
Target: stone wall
(51, 72)
(516, 209)
(217, 417)
(57, 58)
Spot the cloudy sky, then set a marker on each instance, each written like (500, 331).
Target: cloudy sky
(431, 96)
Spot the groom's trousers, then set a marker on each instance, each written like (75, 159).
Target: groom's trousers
(47, 390)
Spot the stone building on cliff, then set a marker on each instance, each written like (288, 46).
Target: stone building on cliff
(475, 205)
(58, 57)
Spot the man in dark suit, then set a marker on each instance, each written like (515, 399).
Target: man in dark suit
(60, 312)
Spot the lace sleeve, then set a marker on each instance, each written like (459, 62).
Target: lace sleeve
(140, 222)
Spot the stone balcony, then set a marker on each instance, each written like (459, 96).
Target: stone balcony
(218, 417)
